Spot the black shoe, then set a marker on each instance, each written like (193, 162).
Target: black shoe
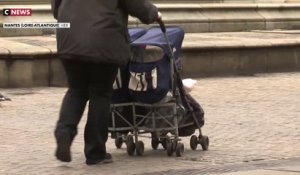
(63, 149)
(107, 159)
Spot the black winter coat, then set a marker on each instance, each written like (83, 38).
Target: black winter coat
(98, 31)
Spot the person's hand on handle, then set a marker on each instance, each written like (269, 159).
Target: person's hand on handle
(159, 16)
(160, 22)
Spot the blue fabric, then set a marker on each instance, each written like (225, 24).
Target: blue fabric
(140, 38)
(152, 95)
(155, 37)
(135, 33)
(122, 94)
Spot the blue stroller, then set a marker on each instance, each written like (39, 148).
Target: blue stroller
(149, 96)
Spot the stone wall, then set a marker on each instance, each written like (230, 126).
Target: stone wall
(193, 18)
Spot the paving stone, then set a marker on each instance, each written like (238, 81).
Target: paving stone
(263, 172)
(251, 120)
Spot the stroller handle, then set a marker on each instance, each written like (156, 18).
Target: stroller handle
(172, 58)
(162, 25)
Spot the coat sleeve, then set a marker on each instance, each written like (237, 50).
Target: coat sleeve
(54, 7)
(144, 10)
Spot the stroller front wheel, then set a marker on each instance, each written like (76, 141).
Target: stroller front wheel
(129, 139)
(130, 148)
(119, 142)
(179, 149)
(204, 142)
(170, 147)
(194, 142)
(139, 148)
(154, 143)
(130, 145)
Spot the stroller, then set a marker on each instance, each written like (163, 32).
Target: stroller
(149, 96)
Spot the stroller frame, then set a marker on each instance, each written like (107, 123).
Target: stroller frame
(153, 116)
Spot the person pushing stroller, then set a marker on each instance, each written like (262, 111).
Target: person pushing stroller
(91, 50)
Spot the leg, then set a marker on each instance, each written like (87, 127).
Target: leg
(72, 107)
(96, 129)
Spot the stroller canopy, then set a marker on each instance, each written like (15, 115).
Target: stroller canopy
(135, 33)
(155, 37)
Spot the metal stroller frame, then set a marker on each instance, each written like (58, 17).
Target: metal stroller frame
(158, 134)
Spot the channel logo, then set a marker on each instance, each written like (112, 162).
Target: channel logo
(17, 12)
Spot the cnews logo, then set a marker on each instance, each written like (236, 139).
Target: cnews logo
(17, 12)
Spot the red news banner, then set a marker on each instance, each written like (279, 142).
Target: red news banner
(17, 12)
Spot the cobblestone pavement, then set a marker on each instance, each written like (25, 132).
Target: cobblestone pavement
(250, 121)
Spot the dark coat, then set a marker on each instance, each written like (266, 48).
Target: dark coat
(98, 31)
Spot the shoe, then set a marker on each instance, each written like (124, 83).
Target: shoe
(63, 152)
(107, 159)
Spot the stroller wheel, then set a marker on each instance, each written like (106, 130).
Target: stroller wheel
(170, 148)
(129, 139)
(118, 142)
(154, 143)
(130, 148)
(164, 142)
(179, 149)
(204, 142)
(194, 142)
(139, 148)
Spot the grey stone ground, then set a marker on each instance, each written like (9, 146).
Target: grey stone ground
(251, 121)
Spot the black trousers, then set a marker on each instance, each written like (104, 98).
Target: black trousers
(87, 82)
